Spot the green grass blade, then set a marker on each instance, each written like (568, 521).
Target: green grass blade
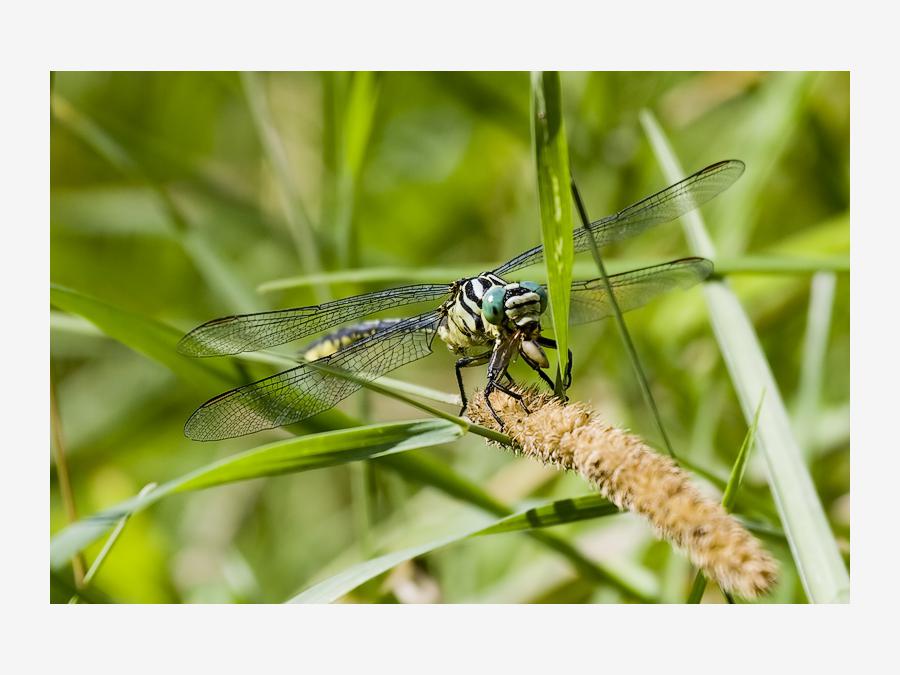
(108, 546)
(151, 338)
(429, 470)
(814, 550)
(815, 346)
(546, 515)
(303, 453)
(559, 512)
(551, 152)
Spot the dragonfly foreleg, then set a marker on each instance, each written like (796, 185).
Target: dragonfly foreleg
(540, 371)
(467, 362)
(494, 384)
(549, 342)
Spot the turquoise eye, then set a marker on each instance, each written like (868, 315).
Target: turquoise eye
(540, 290)
(492, 304)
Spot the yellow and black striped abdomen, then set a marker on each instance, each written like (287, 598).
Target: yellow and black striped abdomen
(333, 342)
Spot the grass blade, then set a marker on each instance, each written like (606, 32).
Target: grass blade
(546, 515)
(151, 338)
(814, 550)
(551, 152)
(815, 345)
(303, 453)
(429, 470)
(108, 546)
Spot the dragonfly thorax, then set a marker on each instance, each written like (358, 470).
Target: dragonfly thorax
(481, 309)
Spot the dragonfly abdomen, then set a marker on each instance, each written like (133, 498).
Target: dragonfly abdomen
(335, 341)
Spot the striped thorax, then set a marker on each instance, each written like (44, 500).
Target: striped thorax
(484, 309)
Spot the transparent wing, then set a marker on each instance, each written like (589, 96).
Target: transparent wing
(590, 301)
(666, 205)
(304, 391)
(250, 332)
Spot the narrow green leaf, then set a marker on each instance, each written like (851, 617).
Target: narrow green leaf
(429, 470)
(147, 336)
(552, 159)
(815, 346)
(546, 515)
(108, 546)
(815, 552)
(303, 453)
(559, 512)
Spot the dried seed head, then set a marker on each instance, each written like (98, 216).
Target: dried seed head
(634, 477)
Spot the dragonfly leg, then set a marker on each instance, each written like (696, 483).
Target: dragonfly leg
(536, 368)
(509, 392)
(467, 362)
(549, 342)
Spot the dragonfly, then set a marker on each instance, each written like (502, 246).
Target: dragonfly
(484, 319)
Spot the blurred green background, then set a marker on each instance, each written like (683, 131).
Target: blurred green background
(177, 195)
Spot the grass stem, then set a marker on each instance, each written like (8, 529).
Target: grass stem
(620, 324)
(62, 473)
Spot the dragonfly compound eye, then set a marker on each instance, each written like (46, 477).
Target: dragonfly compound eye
(540, 290)
(492, 305)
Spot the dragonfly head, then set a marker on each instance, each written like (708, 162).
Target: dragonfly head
(517, 305)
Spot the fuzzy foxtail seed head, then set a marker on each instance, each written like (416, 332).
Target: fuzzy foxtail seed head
(634, 477)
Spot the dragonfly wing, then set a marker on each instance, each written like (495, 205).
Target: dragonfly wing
(304, 391)
(590, 301)
(665, 205)
(250, 332)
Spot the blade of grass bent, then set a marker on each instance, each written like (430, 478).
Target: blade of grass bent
(551, 152)
(303, 453)
(428, 470)
(151, 338)
(814, 550)
(546, 515)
